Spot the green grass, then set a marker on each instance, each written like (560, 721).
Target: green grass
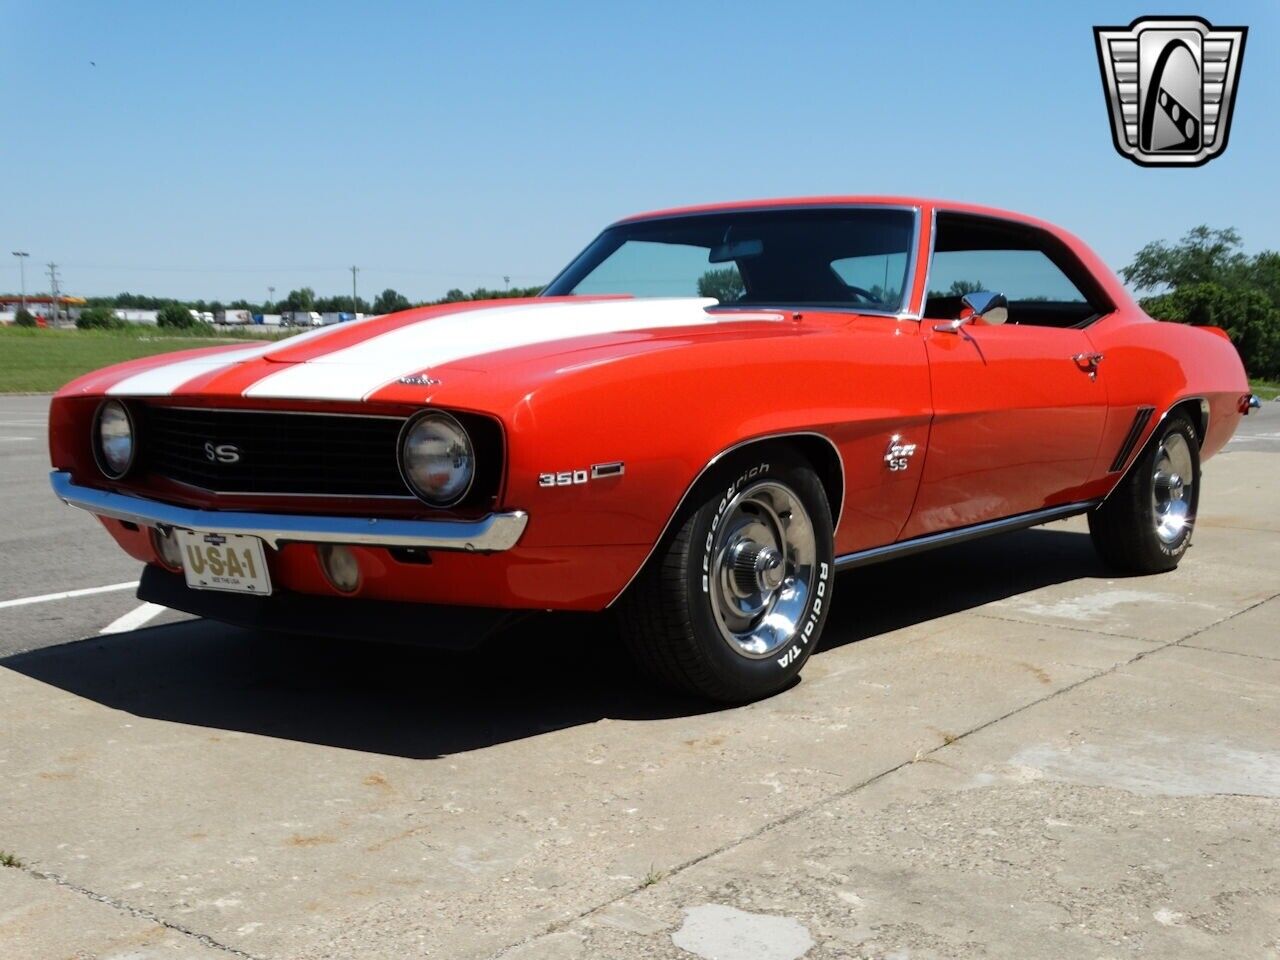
(1266, 389)
(7, 859)
(33, 360)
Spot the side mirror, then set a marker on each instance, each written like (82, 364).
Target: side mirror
(990, 308)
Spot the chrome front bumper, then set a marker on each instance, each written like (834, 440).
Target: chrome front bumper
(490, 534)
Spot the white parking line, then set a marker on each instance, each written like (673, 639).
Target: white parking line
(68, 594)
(134, 619)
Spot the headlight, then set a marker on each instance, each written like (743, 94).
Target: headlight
(437, 459)
(113, 445)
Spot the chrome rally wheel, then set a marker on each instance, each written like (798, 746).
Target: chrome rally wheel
(1145, 523)
(1172, 485)
(763, 569)
(733, 600)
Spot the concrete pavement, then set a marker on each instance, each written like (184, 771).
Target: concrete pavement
(1001, 751)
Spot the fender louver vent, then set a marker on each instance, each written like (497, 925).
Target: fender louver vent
(1140, 421)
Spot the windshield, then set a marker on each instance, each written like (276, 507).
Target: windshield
(842, 257)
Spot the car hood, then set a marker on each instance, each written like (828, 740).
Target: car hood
(355, 361)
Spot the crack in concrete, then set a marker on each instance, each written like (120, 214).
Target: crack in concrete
(1062, 626)
(1232, 653)
(923, 755)
(1231, 616)
(136, 912)
(1231, 526)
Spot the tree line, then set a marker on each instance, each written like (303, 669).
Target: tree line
(177, 313)
(1207, 280)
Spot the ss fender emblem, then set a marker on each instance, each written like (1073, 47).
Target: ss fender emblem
(897, 457)
(221, 453)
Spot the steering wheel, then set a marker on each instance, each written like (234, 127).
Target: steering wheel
(862, 294)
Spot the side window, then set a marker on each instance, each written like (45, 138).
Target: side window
(972, 253)
(1026, 275)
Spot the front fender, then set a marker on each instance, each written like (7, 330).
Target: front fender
(666, 415)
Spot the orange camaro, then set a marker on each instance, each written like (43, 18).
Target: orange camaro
(707, 414)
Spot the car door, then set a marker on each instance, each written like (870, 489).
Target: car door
(1019, 407)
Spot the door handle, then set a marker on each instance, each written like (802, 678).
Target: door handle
(1089, 363)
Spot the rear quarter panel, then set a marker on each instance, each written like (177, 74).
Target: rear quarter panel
(1153, 363)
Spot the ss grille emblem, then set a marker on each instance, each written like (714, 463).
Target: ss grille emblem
(221, 452)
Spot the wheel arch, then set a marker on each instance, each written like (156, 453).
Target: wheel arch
(817, 448)
(1196, 409)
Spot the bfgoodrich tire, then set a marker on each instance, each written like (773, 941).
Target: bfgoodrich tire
(1145, 525)
(732, 604)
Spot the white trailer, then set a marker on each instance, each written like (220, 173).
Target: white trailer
(151, 317)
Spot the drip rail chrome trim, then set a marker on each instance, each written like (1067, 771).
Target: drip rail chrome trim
(489, 534)
(905, 548)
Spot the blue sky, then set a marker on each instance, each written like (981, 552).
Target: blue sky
(219, 148)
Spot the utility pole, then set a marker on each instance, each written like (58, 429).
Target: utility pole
(355, 303)
(271, 297)
(53, 289)
(506, 281)
(22, 270)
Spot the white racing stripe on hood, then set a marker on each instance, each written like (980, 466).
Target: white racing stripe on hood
(358, 371)
(163, 380)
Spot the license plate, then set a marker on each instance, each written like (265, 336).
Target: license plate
(224, 561)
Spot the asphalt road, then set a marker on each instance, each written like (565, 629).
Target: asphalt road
(1001, 750)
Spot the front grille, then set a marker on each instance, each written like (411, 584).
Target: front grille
(275, 453)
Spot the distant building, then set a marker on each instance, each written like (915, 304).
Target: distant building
(39, 305)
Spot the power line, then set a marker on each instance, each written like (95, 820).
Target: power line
(53, 288)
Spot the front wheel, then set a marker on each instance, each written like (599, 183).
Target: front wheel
(1145, 525)
(731, 606)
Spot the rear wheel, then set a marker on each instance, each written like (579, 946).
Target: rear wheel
(731, 606)
(1145, 525)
